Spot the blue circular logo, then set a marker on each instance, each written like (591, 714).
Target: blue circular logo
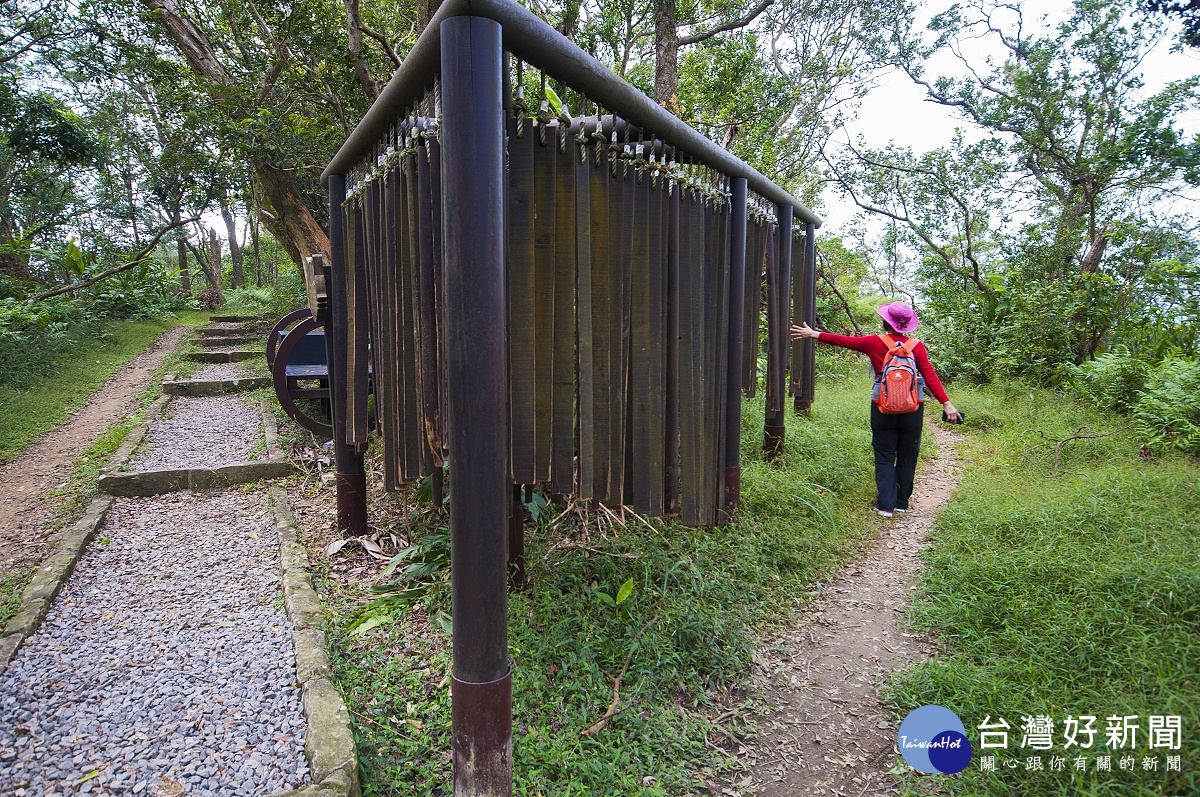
(933, 739)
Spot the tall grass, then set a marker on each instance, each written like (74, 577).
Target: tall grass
(1068, 595)
(700, 598)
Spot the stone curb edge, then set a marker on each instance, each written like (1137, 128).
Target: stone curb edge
(329, 741)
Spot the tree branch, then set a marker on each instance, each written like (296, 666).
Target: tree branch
(139, 258)
(696, 38)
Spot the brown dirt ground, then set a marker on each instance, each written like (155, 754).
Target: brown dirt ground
(830, 734)
(25, 515)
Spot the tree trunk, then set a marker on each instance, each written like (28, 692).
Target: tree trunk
(258, 275)
(354, 45)
(666, 54)
(213, 272)
(295, 226)
(425, 11)
(181, 247)
(238, 278)
(290, 221)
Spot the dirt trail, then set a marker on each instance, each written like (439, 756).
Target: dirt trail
(832, 735)
(48, 463)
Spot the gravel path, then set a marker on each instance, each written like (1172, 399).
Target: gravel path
(163, 665)
(223, 371)
(201, 432)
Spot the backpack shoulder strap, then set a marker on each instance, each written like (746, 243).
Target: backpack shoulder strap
(887, 340)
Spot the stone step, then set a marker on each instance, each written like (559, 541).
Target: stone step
(233, 319)
(218, 343)
(213, 387)
(235, 356)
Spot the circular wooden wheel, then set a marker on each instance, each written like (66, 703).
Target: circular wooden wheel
(279, 378)
(277, 332)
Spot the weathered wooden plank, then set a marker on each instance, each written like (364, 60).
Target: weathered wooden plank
(521, 299)
(774, 401)
(545, 206)
(411, 458)
(641, 375)
(656, 353)
(585, 332)
(431, 290)
(672, 212)
(620, 221)
(599, 180)
(752, 313)
(562, 459)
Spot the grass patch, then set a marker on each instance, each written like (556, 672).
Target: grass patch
(73, 377)
(1068, 595)
(700, 600)
(11, 586)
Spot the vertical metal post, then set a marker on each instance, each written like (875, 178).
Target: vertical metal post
(477, 400)
(351, 478)
(774, 426)
(808, 308)
(733, 383)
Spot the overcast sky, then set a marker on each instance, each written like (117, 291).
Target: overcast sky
(897, 110)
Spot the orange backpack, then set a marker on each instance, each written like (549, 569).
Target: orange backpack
(899, 388)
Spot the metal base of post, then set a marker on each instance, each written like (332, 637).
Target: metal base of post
(352, 503)
(773, 442)
(481, 717)
(803, 408)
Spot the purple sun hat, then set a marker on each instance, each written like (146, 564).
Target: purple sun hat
(900, 315)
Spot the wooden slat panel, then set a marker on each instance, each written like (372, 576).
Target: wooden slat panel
(410, 459)
(545, 168)
(562, 459)
(585, 333)
(708, 387)
(656, 353)
(521, 300)
(431, 305)
(620, 228)
(434, 150)
(391, 415)
(422, 337)
(642, 369)
(796, 299)
(717, 467)
(752, 314)
(774, 399)
(691, 355)
(602, 332)
(672, 212)
(356, 337)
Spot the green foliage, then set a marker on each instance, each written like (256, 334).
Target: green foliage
(1169, 410)
(1061, 596)
(1113, 381)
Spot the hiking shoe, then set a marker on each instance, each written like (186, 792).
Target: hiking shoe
(883, 512)
(900, 509)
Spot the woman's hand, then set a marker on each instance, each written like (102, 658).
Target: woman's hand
(952, 415)
(804, 331)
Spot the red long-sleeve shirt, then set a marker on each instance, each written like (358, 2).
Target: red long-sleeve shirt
(874, 347)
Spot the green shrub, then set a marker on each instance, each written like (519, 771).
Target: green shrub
(1113, 381)
(1169, 410)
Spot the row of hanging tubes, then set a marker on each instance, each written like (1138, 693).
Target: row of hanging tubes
(640, 153)
(421, 122)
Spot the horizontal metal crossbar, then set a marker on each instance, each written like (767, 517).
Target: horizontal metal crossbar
(532, 40)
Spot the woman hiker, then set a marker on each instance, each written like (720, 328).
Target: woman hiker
(895, 438)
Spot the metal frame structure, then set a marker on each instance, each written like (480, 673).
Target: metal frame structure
(464, 47)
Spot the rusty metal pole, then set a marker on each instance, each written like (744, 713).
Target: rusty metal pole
(351, 478)
(774, 426)
(477, 401)
(733, 382)
(808, 308)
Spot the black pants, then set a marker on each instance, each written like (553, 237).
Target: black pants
(896, 440)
